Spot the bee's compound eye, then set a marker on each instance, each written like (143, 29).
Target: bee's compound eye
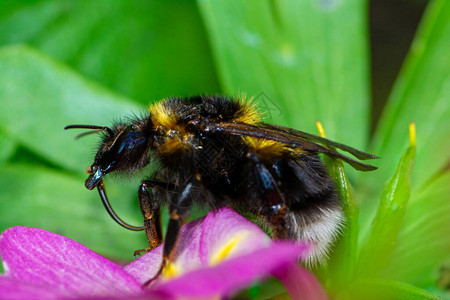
(130, 141)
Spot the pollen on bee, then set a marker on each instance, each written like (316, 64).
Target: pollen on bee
(170, 270)
(89, 170)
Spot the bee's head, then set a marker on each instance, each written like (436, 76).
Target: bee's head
(124, 148)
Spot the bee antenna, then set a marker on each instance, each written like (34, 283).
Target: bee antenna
(97, 128)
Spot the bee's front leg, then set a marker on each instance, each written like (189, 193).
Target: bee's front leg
(179, 209)
(150, 209)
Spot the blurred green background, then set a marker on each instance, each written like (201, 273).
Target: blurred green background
(364, 69)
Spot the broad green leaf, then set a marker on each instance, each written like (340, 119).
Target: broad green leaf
(304, 60)
(16, 18)
(40, 97)
(386, 225)
(423, 244)
(7, 147)
(146, 50)
(39, 197)
(387, 290)
(421, 94)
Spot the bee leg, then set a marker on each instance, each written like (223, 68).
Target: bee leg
(273, 205)
(150, 209)
(179, 210)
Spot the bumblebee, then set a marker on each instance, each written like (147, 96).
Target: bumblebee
(217, 151)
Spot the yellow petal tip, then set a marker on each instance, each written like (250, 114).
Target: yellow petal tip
(412, 134)
(320, 129)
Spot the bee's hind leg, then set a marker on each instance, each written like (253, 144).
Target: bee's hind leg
(273, 205)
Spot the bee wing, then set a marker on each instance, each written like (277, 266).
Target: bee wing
(293, 138)
(318, 139)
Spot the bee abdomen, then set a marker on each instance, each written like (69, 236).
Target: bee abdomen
(319, 228)
(314, 209)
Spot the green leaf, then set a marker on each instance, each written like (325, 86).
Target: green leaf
(423, 243)
(387, 290)
(39, 197)
(305, 60)
(7, 148)
(146, 50)
(40, 97)
(421, 94)
(386, 225)
(342, 263)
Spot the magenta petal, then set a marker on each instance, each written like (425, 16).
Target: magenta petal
(42, 258)
(233, 274)
(299, 283)
(145, 295)
(225, 225)
(15, 289)
(146, 266)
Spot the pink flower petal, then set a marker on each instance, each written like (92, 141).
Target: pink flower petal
(144, 295)
(43, 265)
(299, 283)
(146, 266)
(233, 274)
(228, 233)
(42, 258)
(15, 289)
